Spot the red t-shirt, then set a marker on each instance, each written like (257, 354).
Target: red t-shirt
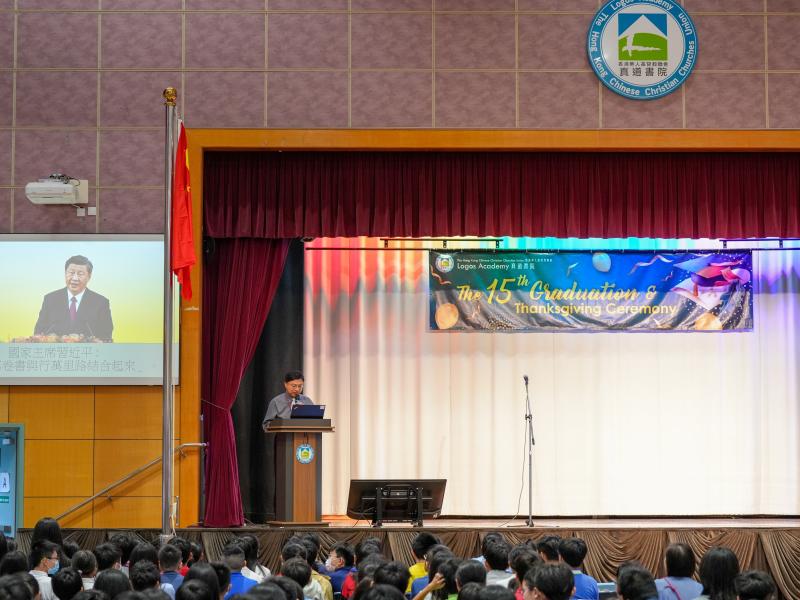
(349, 585)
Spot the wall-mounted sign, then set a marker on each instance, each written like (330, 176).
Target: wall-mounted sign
(642, 49)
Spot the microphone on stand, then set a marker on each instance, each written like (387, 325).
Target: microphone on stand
(525, 379)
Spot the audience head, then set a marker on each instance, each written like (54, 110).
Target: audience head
(754, 585)
(32, 582)
(384, 592)
(447, 571)
(233, 557)
(365, 548)
(367, 567)
(69, 548)
(392, 573)
(423, 542)
(143, 551)
(14, 562)
(155, 593)
(125, 543)
(249, 544)
(553, 581)
(490, 538)
(14, 587)
(496, 555)
(718, 570)
(44, 557)
(294, 550)
(144, 575)
(169, 558)
(266, 590)
(66, 583)
(91, 595)
(435, 557)
(311, 551)
(223, 576)
(85, 562)
(108, 556)
(204, 572)
(183, 545)
(572, 551)
(4, 549)
(132, 595)
(547, 547)
(194, 590)
(495, 592)
(47, 529)
(470, 571)
(197, 552)
(680, 560)
(635, 582)
(471, 590)
(521, 559)
(113, 582)
(297, 569)
(341, 556)
(290, 587)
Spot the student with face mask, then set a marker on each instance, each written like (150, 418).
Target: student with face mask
(338, 565)
(44, 560)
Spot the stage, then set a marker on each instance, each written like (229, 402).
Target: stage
(768, 543)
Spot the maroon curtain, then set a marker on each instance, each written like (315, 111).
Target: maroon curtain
(658, 194)
(239, 281)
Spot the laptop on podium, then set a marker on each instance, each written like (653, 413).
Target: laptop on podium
(308, 411)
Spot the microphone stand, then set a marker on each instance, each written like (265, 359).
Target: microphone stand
(531, 444)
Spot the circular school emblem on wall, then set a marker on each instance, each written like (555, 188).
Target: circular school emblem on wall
(642, 49)
(304, 454)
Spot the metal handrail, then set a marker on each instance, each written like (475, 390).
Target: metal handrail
(125, 479)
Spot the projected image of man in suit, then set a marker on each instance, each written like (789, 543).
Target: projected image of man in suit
(75, 309)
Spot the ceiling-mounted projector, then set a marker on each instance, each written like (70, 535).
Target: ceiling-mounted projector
(58, 189)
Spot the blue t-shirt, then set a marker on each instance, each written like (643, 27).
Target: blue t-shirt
(418, 584)
(174, 578)
(585, 587)
(239, 584)
(337, 579)
(686, 587)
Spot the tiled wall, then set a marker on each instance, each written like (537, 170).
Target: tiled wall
(81, 80)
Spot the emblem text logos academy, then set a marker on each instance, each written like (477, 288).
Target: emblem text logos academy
(642, 49)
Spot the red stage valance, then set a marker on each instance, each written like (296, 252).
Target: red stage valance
(348, 194)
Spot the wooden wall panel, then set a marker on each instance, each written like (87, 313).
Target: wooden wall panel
(113, 459)
(53, 413)
(58, 468)
(132, 512)
(128, 412)
(38, 508)
(4, 404)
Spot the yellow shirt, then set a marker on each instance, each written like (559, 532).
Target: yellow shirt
(325, 583)
(417, 570)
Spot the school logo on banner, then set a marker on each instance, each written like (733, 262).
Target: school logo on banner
(642, 49)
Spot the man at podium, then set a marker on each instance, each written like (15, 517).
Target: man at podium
(280, 407)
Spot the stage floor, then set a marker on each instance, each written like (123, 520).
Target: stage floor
(765, 522)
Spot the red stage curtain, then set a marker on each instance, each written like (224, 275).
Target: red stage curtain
(240, 279)
(348, 194)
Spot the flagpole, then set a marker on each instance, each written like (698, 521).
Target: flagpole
(170, 96)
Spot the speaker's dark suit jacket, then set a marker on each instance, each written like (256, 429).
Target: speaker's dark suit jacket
(93, 318)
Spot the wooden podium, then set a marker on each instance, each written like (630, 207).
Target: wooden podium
(298, 470)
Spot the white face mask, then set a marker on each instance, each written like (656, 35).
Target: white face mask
(329, 564)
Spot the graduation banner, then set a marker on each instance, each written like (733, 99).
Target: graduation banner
(584, 291)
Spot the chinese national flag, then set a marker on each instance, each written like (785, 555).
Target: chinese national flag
(182, 250)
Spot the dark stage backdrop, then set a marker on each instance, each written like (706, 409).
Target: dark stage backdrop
(280, 349)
